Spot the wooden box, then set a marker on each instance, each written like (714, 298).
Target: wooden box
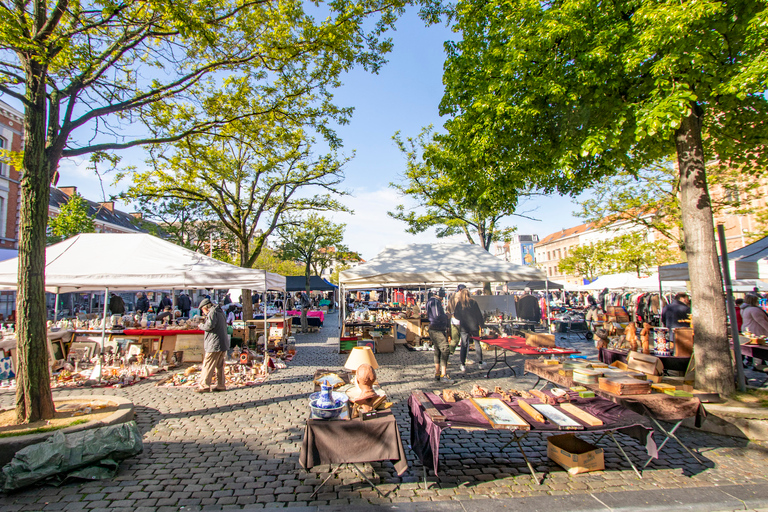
(645, 363)
(533, 339)
(625, 386)
(683, 342)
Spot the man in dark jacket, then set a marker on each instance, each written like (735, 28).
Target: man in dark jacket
(438, 327)
(116, 304)
(142, 303)
(165, 302)
(185, 304)
(677, 310)
(528, 307)
(215, 344)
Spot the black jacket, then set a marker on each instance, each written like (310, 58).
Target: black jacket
(528, 308)
(184, 303)
(142, 304)
(470, 318)
(673, 313)
(116, 305)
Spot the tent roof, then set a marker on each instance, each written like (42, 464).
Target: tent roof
(628, 280)
(316, 283)
(120, 261)
(540, 284)
(749, 262)
(435, 263)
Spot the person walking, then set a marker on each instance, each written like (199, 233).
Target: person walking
(470, 322)
(215, 344)
(528, 307)
(142, 303)
(438, 326)
(304, 303)
(185, 304)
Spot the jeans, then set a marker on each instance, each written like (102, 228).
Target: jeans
(465, 347)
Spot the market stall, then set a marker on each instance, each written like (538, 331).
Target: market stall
(112, 262)
(432, 265)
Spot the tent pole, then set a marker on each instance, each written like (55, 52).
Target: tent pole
(740, 381)
(103, 330)
(546, 300)
(56, 307)
(661, 295)
(266, 327)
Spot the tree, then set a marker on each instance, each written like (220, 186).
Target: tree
(650, 198)
(270, 261)
(251, 175)
(185, 223)
(72, 220)
(338, 269)
(88, 72)
(575, 91)
(307, 241)
(587, 261)
(634, 253)
(451, 193)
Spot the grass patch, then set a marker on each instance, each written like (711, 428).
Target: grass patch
(751, 396)
(42, 430)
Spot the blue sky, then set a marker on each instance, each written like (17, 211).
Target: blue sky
(404, 96)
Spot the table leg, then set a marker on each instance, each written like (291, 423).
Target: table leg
(362, 475)
(336, 470)
(496, 360)
(671, 434)
(634, 468)
(517, 439)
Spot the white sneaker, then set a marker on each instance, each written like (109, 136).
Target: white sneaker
(462, 368)
(483, 366)
(469, 362)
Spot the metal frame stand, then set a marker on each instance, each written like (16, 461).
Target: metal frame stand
(517, 439)
(670, 434)
(621, 449)
(496, 361)
(358, 471)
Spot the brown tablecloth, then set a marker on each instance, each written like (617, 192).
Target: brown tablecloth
(345, 441)
(657, 405)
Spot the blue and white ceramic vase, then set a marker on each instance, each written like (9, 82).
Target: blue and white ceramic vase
(325, 401)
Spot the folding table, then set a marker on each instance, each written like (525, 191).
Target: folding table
(425, 433)
(655, 406)
(518, 345)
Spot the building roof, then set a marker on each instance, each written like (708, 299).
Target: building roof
(565, 233)
(99, 212)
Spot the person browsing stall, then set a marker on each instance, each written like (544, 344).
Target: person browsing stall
(215, 345)
(470, 322)
(438, 335)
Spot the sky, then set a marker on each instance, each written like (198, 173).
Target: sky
(404, 97)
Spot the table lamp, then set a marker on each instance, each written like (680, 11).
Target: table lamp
(358, 356)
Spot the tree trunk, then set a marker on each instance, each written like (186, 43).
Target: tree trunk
(246, 294)
(714, 364)
(34, 400)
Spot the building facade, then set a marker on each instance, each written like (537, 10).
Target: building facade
(520, 250)
(106, 218)
(11, 139)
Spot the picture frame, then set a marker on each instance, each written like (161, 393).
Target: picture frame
(499, 414)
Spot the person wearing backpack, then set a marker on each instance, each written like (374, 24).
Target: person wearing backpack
(471, 321)
(438, 335)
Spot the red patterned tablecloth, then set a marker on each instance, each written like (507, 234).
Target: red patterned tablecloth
(517, 344)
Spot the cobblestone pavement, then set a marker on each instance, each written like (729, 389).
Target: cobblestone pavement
(240, 448)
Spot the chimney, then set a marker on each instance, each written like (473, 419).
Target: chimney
(137, 215)
(70, 191)
(109, 205)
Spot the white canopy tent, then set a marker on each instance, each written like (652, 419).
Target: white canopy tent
(630, 281)
(749, 262)
(435, 263)
(119, 261)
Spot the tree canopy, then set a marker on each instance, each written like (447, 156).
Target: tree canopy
(568, 92)
(72, 220)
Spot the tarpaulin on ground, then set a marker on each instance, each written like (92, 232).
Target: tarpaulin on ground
(88, 454)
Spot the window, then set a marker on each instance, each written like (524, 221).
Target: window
(2, 216)
(3, 166)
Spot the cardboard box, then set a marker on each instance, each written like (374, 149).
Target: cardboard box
(401, 331)
(683, 342)
(539, 340)
(385, 345)
(575, 455)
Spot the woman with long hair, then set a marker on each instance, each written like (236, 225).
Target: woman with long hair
(470, 322)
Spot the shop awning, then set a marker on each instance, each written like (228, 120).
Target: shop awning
(435, 263)
(749, 262)
(121, 261)
(316, 284)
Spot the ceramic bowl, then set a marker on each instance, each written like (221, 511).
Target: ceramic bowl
(337, 395)
(327, 414)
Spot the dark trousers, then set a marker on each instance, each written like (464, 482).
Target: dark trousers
(465, 347)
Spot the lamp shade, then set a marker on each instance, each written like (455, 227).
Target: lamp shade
(358, 356)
